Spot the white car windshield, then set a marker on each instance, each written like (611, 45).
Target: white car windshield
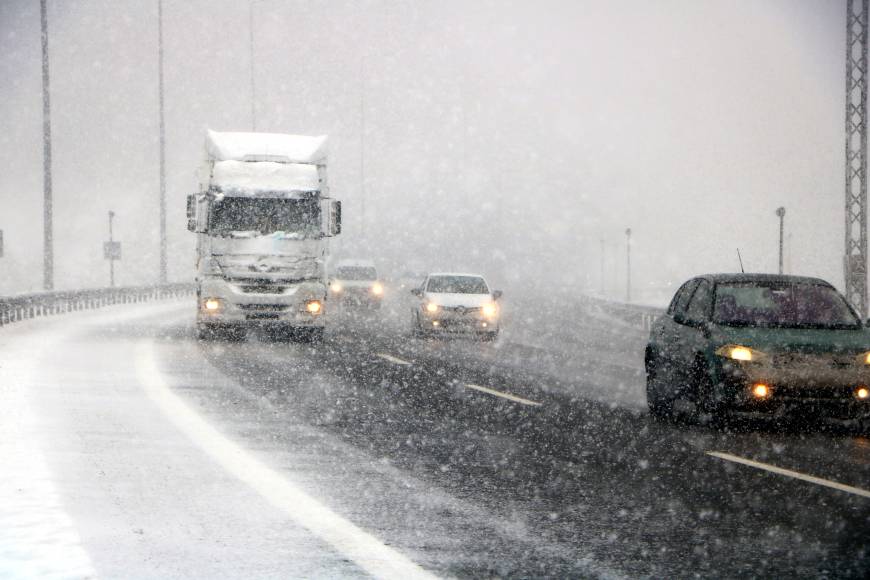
(457, 285)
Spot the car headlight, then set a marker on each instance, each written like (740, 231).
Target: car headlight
(377, 289)
(313, 306)
(212, 304)
(431, 308)
(489, 310)
(740, 353)
(336, 287)
(864, 358)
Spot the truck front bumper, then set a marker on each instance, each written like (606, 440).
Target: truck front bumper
(224, 303)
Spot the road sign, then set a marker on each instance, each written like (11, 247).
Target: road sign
(112, 250)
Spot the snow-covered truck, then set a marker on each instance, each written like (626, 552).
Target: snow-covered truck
(263, 217)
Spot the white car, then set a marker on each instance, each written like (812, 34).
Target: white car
(356, 283)
(456, 303)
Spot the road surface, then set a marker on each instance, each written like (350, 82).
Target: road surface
(132, 450)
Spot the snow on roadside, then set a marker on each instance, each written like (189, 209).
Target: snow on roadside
(37, 538)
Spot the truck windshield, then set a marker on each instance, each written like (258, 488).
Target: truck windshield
(265, 216)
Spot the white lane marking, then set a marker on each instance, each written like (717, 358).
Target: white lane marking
(507, 396)
(393, 359)
(352, 542)
(790, 473)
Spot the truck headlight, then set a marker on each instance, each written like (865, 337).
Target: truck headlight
(212, 304)
(431, 308)
(336, 287)
(377, 289)
(313, 306)
(489, 310)
(864, 358)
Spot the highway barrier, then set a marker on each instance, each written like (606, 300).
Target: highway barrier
(24, 306)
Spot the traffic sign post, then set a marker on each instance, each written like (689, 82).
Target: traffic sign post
(111, 251)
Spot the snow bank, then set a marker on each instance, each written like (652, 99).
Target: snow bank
(239, 177)
(265, 147)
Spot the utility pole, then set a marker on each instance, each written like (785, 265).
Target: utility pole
(628, 265)
(111, 255)
(163, 260)
(602, 266)
(780, 212)
(855, 263)
(251, 57)
(47, 210)
(362, 145)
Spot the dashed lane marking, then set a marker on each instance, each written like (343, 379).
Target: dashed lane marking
(790, 473)
(393, 359)
(365, 550)
(507, 396)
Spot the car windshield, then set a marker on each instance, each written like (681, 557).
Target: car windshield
(782, 305)
(457, 285)
(356, 273)
(238, 215)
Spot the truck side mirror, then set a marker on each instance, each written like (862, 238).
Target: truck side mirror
(335, 218)
(496, 294)
(191, 212)
(417, 292)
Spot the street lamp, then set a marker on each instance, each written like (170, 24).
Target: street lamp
(780, 212)
(628, 265)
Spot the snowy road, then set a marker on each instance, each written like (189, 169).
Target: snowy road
(132, 450)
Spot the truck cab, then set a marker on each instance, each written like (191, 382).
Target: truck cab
(263, 219)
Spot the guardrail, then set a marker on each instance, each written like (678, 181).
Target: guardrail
(24, 306)
(634, 314)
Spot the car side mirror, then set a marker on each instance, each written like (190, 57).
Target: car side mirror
(416, 292)
(497, 294)
(679, 318)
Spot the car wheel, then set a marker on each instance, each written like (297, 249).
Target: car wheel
(659, 401)
(416, 328)
(311, 335)
(708, 401)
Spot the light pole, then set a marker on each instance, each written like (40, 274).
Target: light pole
(163, 259)
(111, 252)
(628, 265)
(47, 210)
(602, 266)
(780, 212)
(251, 56)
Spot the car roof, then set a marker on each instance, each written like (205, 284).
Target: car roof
(741, 277)
(455, 274)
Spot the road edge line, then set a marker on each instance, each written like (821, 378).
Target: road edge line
(357, 545)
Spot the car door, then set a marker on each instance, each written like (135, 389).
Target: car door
(692, 328)
(668, 333)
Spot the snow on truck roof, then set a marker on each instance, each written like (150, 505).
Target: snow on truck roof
(256, 163)
(275, 147)
(241, 178)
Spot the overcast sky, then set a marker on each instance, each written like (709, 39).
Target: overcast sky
(505, 137)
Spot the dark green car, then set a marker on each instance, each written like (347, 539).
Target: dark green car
(759, 343)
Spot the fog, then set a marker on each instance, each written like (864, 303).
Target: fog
(509, 138)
